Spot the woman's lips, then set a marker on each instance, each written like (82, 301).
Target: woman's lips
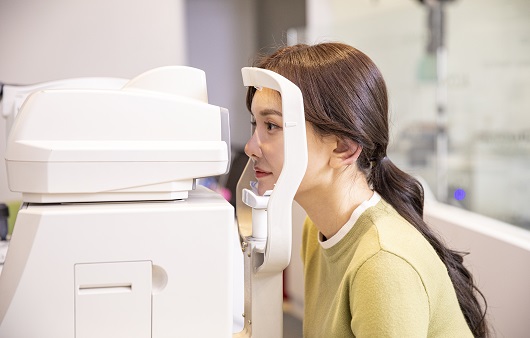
(260, 173)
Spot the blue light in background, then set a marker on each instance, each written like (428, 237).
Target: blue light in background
(460, 194)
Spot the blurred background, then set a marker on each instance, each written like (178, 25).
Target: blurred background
(458, 73)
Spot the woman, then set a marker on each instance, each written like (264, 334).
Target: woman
(372, 267)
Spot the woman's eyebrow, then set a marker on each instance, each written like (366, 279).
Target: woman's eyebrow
(267, 112)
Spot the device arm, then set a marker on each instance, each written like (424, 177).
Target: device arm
(279, 209)
(267, 257)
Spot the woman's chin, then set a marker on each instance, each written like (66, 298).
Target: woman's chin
(262, 191)
(263, 188)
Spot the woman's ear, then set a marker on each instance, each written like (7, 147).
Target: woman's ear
(345, 153)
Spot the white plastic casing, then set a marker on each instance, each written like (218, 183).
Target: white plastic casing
(279, 207)
(147, 141)
(13, 96)
(136, 269)
(106, 270)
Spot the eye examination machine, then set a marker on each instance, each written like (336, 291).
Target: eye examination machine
(115, 238)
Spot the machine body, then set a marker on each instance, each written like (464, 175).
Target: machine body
(114, 238)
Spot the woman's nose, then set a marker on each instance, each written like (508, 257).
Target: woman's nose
(252, 148)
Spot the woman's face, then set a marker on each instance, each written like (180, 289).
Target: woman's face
(265, 147)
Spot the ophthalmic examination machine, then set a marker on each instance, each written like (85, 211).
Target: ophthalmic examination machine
(115, 238)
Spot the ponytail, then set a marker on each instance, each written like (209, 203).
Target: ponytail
(406, 195)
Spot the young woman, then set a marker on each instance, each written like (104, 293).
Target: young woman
(372, 267)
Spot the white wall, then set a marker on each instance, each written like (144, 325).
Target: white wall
(499, 260)
(55, 39)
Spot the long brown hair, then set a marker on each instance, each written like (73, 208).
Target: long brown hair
(345, 95)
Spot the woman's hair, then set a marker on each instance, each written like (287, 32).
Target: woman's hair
(345, 95)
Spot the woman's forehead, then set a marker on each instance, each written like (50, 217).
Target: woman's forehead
(266, 101)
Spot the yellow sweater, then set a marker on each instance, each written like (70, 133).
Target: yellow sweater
(381, 278)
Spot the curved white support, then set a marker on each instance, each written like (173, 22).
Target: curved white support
(267, 256)
(278, 248)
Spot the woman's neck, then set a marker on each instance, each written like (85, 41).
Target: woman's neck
(330, 206)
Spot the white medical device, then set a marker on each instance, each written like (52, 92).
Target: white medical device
(13, 96)
(115, 239)
(267, 256)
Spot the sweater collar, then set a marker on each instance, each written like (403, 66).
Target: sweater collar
(330, 242)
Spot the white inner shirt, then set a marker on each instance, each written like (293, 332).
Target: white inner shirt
(326, 244)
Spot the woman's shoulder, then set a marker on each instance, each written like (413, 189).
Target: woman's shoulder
(394, 233)
(396, 237)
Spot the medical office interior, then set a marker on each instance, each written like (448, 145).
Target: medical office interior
(458, 74)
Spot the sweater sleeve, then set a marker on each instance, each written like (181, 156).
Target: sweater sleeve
(388, 299)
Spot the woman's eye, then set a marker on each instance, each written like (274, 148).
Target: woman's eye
(271, 126)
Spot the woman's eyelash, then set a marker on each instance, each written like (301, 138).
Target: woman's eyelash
(268, 125)
(271, 125)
